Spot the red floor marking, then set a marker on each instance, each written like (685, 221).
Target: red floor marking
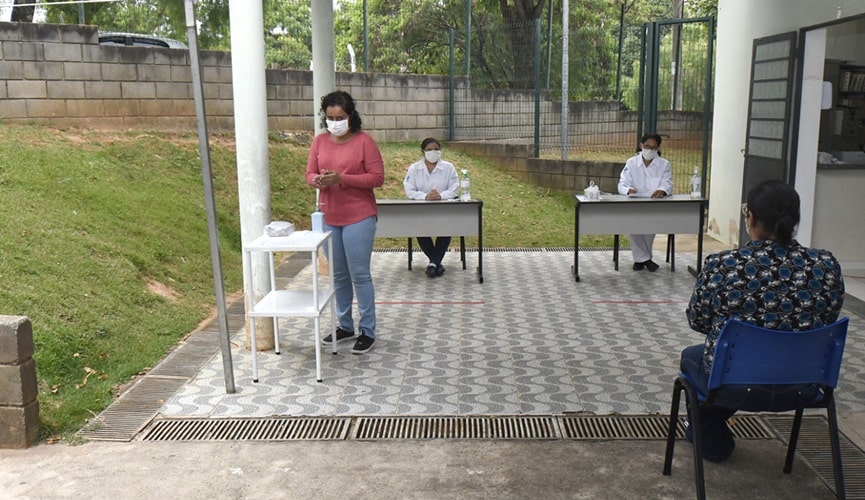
(435, 303)
(639, 302)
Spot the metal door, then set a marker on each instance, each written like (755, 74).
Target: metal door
(767, 138)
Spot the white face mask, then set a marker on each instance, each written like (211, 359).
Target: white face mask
(337, 127)
(650, 154)
(432, 156)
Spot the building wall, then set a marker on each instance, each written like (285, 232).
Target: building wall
(739, 23)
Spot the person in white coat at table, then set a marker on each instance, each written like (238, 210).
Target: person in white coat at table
(646, 175)
(432, 179)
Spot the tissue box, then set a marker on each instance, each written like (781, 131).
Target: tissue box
(279, 228)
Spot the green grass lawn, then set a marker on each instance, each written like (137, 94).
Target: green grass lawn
(104, 244)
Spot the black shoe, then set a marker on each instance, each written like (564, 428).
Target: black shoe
(714, 452)
(651, 266)
(341, 336)
(440, 270)
(363, 344)
(431, 271)
(639, 266)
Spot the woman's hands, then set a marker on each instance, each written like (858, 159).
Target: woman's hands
(327, 178)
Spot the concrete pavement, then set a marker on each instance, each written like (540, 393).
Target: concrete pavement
(401, 469)
(615, 468)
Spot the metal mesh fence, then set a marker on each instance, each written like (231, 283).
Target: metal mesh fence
(513, 92)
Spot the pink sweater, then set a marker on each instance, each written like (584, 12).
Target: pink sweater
(362, 169)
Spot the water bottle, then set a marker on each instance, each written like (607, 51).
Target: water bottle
(465, 193)
(696, 183)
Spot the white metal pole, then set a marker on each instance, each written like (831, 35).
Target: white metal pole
(565, 12)
(323, 57)
(209, 198)
(250, 131)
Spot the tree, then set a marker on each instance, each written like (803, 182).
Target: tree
(522, 15)
(155, 17)
(288, 34)
(22, 14)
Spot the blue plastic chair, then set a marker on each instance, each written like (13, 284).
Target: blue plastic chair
(750, 355)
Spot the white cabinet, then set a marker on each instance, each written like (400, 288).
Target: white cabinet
(309, 301)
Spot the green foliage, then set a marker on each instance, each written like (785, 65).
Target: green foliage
(691, 90)
(104, 247)
(287, 34)
(162, 17)
(413, 36)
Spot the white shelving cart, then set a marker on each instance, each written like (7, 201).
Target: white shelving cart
(308, 302)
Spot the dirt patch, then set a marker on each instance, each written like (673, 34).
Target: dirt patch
(162, 290)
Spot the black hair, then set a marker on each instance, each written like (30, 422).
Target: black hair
(775, 206)
(651, 135)
(344, 101)
(429, 140)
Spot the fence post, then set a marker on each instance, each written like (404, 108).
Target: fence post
(452, 89)
(19, 407)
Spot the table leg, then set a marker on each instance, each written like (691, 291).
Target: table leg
(616, 251)
(576, 267)
(480, 243)
(671, 251)
(696, 270)
(463, 251)
(253, 348)
(318, 346)
(409, 254)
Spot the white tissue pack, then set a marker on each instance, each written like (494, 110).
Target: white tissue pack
(279, 228)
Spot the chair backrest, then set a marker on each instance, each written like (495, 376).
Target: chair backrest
(746, 354)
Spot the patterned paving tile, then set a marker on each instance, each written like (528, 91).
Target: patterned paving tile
(529, 340)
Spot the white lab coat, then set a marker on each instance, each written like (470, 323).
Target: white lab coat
(419, 180)
(646, 179)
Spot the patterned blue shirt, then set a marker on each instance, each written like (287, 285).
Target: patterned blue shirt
(791, 288)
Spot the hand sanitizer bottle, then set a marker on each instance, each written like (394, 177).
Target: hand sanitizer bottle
(696, 184)
(317, 216)
(465, 193)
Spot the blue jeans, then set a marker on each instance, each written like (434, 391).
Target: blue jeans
(435, 252)
(717, 438)
(352, 253)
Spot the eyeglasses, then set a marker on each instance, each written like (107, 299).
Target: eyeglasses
(745, 209)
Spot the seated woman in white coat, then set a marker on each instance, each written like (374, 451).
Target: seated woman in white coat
(432, 179)
(648, 175)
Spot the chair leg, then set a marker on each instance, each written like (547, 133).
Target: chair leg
(671, 430)
(692, 404)
(794, 438)
(836, 450)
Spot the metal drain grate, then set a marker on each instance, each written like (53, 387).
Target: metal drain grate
(132, 411)
(813, 447)
(249, 429)
(648, 427)
(456, 427)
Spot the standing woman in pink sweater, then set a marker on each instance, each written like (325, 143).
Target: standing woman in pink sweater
(345, 165)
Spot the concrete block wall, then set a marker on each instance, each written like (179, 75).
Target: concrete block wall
(484, 114)
(19, 406)
(568, 177)
(60, 75)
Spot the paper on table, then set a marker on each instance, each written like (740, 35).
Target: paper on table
(652, 185)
